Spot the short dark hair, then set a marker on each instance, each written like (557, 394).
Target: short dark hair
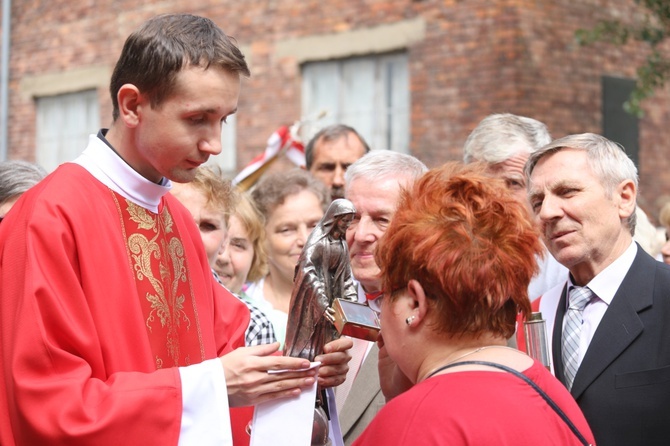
(154, 54)
(330, 133)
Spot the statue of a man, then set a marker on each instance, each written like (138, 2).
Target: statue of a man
(323, 273)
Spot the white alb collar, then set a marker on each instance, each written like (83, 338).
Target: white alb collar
(112, 171)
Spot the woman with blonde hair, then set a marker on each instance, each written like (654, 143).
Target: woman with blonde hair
(244, 258)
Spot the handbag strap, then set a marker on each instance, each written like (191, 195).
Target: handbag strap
(530, 382)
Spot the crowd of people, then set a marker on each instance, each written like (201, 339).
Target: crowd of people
(122, 320)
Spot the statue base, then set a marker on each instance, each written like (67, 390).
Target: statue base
(356, 320)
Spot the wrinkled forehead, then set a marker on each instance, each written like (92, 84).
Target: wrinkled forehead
(566, 166)
(513, 166)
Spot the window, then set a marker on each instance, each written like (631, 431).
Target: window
(64, 123)
(370, 94)
(618, 125)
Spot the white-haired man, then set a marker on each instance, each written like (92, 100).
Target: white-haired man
(504, 142)
(373, 185)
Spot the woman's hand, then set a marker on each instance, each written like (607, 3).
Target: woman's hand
(392, 380)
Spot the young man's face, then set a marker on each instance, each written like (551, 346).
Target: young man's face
(174, 138)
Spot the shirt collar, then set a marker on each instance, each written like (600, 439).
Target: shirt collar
(606, 284)
(375, 304)
(102, 161)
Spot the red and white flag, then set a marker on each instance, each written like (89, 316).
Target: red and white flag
(281, 141)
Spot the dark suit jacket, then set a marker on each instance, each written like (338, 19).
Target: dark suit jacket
(365, 399)
(623, 382)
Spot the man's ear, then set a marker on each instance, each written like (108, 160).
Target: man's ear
(419, 302)
(130, 102)
(627, 194)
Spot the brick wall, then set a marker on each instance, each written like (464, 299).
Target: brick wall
(477, 57)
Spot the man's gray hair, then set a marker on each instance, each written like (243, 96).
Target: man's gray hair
(607, 160)
(499, 137)
(16, 177)
(382, 164)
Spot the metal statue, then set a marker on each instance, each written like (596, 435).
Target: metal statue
(323, 274)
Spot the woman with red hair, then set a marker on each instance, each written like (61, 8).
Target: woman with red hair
(455, 265)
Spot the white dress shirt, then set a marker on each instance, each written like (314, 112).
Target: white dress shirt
(604, 286)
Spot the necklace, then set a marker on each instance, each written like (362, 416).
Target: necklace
(472, 352)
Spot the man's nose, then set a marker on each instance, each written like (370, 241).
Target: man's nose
(338, 177)
(211, 144)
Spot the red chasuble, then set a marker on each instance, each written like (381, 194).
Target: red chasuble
(100, 299)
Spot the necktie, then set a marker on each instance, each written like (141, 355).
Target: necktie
(579, 298)
(357, 356)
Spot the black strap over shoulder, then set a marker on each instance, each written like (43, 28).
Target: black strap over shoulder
(530, 382)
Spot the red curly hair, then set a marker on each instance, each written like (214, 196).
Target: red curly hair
(470, 244)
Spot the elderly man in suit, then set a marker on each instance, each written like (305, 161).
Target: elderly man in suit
(373, 185)
(608, 324)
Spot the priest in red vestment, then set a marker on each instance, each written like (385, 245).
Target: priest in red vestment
(112, 329)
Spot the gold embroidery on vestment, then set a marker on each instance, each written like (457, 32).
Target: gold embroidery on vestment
(140, 216)
(167, 254)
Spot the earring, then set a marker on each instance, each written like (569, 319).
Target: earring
(409, 320)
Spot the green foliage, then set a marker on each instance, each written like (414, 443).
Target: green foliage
(652, 29)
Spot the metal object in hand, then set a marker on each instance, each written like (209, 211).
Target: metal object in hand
(535, 332)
